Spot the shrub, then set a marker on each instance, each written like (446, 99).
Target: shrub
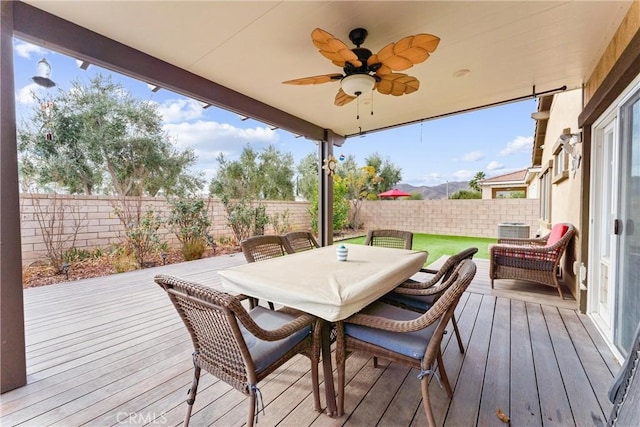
(122, 260)
(244, 218)
(75, 254)
(51, 218)
(189, 222)
(193, 249)
(280, 222)
(466, 194)
(340, 206)
(260, 220)
(142, 238)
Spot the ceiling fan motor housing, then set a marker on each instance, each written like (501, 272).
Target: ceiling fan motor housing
(358, 36)
(363, 55)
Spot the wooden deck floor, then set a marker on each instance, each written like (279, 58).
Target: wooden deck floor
(112, 351)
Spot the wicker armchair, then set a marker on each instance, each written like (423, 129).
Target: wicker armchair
(301, 241)
(404, 336)
(420, 296)
(239, 347)
(533, 260)
(260, 248)
(389, 239)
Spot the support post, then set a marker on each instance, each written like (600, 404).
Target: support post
(325, 193)
(13, 371)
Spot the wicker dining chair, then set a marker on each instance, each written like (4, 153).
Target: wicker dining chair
(404, 336)
(420, 296)
(533, 260)
(260, 248)
(240, 347)
(301, 241)
(389, 239)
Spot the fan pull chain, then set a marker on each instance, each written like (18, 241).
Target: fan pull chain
(357, 108)
(372, 102)
(421, 131)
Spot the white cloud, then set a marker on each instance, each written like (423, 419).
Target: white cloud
(462, 175)
(222, 136)
(25, 50)
(436, 178)
(431, 179)
(177, 110)
(519, 144)
(473, 156)
(492, 166)
(25, 95)
(208, 139)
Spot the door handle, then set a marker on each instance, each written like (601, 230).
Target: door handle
(617, 227)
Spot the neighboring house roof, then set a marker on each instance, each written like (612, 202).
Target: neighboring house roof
(517, 177)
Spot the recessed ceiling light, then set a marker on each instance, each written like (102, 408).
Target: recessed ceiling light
(461, 73)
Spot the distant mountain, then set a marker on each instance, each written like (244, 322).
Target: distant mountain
(437, 192)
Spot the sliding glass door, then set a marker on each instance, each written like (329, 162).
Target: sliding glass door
(628, 287)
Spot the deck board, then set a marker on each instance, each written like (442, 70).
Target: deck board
(554, 402)
(495, 390)
(469, 386)
(112, 349)
(590, 358)
(524, 405)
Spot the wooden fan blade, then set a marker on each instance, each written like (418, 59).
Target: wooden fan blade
(314, 80)
(397, 84)
(373, 59)
(342, 98)
(408, 51)
(334, 49)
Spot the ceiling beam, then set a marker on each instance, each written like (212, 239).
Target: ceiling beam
(44, 29)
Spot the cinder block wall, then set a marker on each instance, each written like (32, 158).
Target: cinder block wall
(98, 226)
(478, 218)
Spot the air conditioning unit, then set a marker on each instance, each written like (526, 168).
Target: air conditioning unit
(511, 230)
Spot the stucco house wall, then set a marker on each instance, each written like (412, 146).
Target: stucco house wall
(533, 189)
(565, 191)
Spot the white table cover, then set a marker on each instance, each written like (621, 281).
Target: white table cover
(317, 283)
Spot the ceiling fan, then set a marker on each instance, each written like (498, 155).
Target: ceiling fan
(363, 70)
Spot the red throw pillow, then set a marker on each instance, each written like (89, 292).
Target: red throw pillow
(557, 232)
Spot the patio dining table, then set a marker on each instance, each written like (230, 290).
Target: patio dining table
(317, 283)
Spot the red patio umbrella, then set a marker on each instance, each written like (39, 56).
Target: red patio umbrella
(395, 193)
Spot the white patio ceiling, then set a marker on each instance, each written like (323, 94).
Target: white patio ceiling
(251, 47)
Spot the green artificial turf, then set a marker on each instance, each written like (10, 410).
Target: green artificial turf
(438, 245)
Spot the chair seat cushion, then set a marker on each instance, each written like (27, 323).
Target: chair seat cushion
(556, 234)
(264, 353)
(412, 302)
(411, 344)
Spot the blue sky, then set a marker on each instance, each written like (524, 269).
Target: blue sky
(496, 140)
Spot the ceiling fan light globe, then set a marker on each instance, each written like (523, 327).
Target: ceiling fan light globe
(357, 84)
